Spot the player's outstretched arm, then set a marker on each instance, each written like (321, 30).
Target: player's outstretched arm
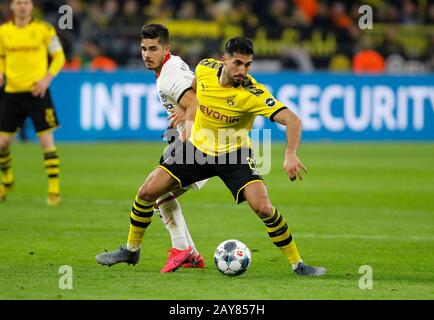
(292, 165)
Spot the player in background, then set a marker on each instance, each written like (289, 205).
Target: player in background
(174, 80)
(25, 44)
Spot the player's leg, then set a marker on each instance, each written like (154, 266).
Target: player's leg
(194, 260)
(166, 178)
(157, 183)
(43, 115)
(7, 179)
(183, 251)
(257, 197)
(12, 117)
(52, 167)
(170, 212)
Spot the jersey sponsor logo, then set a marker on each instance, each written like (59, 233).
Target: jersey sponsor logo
(22, 49)
(217, 115)
(270, 102)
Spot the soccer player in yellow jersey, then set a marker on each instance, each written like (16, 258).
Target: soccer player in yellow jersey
(229, 99)
(25, 44)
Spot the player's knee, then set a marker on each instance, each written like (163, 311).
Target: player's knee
(263, 210)
(4, 142)
(145, 193)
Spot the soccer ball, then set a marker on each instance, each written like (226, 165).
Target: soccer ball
(232, 257)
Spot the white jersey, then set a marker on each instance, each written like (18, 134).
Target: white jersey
(174, 80)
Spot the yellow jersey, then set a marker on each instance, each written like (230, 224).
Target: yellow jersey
(24, 54)
(224, 116)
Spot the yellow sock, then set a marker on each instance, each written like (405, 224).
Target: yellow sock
(52, 168)
(6, 167)
(281, 236)
(140, 219)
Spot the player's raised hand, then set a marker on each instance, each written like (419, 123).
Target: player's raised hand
(293, 167)
(177, 117)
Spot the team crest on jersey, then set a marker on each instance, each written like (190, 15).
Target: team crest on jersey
(230, 102)
(270, 102)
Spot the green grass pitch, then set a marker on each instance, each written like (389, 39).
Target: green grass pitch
(360, 204)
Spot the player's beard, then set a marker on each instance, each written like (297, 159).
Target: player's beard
(154, 65)
(230, 79)
(149, 66)
(237, 81)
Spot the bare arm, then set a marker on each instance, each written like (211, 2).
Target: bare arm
(186, 113)
(194, 84)
(41, 86)
(292, 164)
(189, 102)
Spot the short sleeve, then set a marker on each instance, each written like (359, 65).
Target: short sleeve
(177, 84)
(205, 65)
(263, 103)
(182, 83)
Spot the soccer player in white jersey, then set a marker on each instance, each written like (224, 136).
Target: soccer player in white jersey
(174, 80)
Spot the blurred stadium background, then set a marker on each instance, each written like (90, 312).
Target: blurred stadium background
(365, 203)
(307, 52)
(303, 35)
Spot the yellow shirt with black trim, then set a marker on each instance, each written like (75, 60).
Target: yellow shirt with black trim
(225, 116)
(24, 54)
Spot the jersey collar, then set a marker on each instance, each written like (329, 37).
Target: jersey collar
(157, 74)
(13, 22)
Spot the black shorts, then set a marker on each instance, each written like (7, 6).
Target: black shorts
(187, 165)
(16, 107)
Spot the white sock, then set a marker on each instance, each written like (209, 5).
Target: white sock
(189, 239)
(132, 247)
(171, 215)
(295, 265)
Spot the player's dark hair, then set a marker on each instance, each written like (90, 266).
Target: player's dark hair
(154, 31)
(239, 45)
